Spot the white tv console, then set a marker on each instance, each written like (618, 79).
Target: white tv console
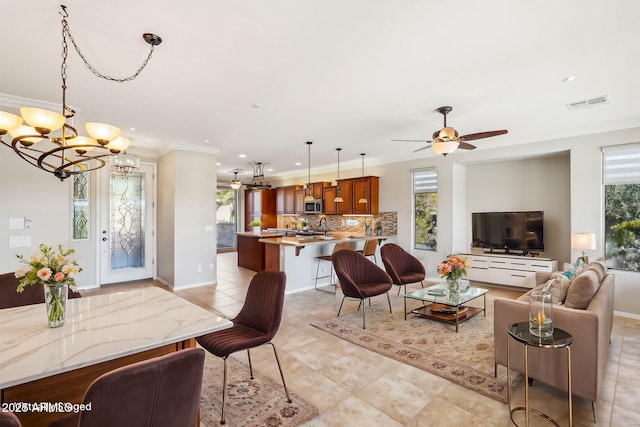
(512, 270)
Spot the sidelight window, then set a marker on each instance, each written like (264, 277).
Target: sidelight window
(425, 209)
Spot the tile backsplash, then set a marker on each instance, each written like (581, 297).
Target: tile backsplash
(388, 220)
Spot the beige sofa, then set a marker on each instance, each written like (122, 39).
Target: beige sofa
(590, 326)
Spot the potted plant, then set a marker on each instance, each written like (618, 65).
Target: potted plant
(256, 225)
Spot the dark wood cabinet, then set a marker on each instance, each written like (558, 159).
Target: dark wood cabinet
(346, 192)
(328, 206)
(299, 201)
(286, 199)
(317, 187)
(369, 187)
(260, 205)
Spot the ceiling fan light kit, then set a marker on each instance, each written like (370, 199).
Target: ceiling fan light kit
(446, 140)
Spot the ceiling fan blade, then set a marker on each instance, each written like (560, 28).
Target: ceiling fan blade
(466, 146)
(420, 149)
(481, 135)
(411, 140)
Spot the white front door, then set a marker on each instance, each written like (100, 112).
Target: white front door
(127, 225)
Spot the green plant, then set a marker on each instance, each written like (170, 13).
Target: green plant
(255, 223)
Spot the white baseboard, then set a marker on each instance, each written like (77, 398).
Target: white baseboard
(627, 315)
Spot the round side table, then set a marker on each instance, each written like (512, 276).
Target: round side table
(560, 339)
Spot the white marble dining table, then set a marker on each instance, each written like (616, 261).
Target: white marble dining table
(100, 332)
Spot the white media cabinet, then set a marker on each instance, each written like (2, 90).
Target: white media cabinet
(512, 270)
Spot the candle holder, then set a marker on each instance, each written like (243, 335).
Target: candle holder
(541, 314)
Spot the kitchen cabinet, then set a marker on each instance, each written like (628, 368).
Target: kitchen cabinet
(328, 194)
(346, 192)
(316, 189)
(285, 199)
(299, 201)
(260, 205)
(369, 186)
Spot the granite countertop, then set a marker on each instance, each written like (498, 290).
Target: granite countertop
(261, 235)
(333, 237)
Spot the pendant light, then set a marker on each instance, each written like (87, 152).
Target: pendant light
(363, 198)
(309, 196)
(236, 183)
(338, 198)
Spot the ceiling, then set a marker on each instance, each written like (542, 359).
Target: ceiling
(261, 78)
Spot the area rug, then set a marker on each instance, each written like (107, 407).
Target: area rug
(257, 402)
(465, 358)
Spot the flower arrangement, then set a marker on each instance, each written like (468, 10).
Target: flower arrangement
(53, 269)
(453, 268)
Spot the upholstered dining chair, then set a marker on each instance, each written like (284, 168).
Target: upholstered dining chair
(337, 247)
(360, 279)
(255, 325)
(159, 392)
(369, 249)
(8, 419)
(403, 267)
(32, 294)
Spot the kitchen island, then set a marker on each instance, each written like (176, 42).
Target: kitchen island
(251, 253)
(296, 256)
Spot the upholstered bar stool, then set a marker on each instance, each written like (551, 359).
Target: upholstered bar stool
(329, 258)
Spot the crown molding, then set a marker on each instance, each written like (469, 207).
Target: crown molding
(190, 147)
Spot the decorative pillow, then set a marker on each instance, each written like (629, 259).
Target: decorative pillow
(569, 274)
(582, 290)
(599, 267)
(558, 287)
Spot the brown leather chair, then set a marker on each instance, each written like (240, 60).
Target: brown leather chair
(403, 267)
(369, 249)
(336, 248)
(255, 325)
(159, 392)
(360, 279)
(8, 419)
(32, 294)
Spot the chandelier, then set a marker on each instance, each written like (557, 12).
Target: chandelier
(259, 181)
(124, 163)
(48, 142)
(236, 183)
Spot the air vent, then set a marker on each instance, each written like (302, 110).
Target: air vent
(588, 103)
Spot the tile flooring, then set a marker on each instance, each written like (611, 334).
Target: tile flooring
(355, 387)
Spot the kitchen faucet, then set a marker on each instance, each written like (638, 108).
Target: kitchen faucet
(325, 224)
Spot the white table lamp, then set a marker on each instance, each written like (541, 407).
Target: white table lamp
(584, 241)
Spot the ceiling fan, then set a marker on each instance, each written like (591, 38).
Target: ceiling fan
(446, 140)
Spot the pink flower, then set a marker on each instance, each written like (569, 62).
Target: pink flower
(44, 274)
(58, 276)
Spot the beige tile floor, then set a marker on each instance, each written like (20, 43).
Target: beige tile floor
(352, 386)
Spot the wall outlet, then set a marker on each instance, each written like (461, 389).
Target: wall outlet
(199, 269)
(351, 222)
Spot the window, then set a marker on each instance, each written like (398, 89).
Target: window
(425, 205)
(621, 177)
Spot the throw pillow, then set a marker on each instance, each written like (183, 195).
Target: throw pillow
(582, 290)
(558, 287)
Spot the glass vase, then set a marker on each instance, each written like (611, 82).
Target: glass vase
(453, 284)
(541, 314)
(55, 299)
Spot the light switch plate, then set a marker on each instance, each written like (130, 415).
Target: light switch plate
(351, 221)
(16, 223)
(19, 241)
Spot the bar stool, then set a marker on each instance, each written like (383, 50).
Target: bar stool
(336, 248)
(370, 249)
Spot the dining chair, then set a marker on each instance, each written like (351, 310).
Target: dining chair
(255, 325)
(360, 279)
(159, 392)
(32, 294)
(403, 267)
(369, 249)
(9, 419)
(337, 247)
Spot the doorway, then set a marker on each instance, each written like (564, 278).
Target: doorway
(226, 218)
(127, 225)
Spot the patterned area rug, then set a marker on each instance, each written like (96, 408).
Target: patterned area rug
(465, 358)
(257, 402)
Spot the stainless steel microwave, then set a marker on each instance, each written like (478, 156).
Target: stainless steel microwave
(314, 207)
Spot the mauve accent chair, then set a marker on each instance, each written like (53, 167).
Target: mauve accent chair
(8, 419)
(360, 279)
(255, 325)
(159, 392)
(32, 294)
(403, 267)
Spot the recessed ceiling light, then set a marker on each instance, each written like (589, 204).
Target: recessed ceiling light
(132, 128)
(242, 156)
(569, 79)
(269, 170)
(298, 163)
(256, 106)
(207, 141)
(218, 164)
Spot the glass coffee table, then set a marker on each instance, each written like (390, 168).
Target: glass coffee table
(447, 306)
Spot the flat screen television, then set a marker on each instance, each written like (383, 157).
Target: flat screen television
(508, 231)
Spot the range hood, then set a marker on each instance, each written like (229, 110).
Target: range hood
(259, 181)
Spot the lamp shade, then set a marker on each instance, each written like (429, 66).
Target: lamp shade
(25, 130)
(44, 120)
(445, 147)
(84, 144)
(8, 122)
(119, 144)
(584, 241)
(102, 132)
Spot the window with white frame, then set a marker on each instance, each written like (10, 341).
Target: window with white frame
(425, 209)
(621, 179)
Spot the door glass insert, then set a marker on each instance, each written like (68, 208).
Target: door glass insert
(81, 206)
(226, 218)
(127, 219)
